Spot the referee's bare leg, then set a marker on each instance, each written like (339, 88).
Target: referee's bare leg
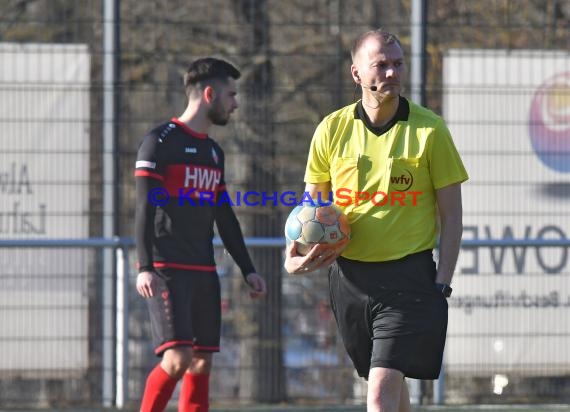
(387, 391)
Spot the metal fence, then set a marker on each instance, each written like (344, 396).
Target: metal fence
(112, 364)
(82, 81)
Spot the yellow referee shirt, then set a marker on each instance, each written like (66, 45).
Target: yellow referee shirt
(385, 179)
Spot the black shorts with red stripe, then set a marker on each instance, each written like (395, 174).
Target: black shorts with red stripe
(186, 310)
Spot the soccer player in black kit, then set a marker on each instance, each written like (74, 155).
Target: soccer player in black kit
(179, 175)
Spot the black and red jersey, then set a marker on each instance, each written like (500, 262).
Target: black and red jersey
(179, 175)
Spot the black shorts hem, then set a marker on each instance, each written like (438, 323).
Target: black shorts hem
(385, 365)
(207, 349)
(413, 375)
(159, 350)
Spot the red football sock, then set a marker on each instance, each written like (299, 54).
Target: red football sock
(158, 390)
(194, 393)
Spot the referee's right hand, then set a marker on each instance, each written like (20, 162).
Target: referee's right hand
(147, 284)
(319, 256)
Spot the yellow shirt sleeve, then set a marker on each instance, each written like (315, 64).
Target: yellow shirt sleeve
(446, 166)
(318, 162)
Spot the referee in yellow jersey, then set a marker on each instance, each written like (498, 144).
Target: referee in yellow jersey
(400, 177)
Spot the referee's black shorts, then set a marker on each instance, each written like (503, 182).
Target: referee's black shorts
(390, 315)
(186, 311)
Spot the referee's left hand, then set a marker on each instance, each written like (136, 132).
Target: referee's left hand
(257, 285)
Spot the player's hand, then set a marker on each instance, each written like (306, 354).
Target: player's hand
(147, 284)
(320, 255)
(256, 284)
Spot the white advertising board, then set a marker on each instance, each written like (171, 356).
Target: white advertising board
(44, 177)
(509, 114)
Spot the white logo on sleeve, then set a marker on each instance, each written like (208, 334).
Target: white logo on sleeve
(146, 164)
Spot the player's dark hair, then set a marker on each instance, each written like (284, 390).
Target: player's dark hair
(387, 38)
(208, 69)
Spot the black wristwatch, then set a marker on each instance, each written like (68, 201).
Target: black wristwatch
(444, 288)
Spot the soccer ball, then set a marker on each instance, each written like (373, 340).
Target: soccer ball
(309, 224)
